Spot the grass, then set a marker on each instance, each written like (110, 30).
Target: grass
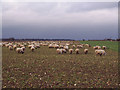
(44, 68)
(113, 45)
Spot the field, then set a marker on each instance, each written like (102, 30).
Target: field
(113, 45)
(44, 68)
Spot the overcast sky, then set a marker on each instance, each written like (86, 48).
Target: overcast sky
(60, 20)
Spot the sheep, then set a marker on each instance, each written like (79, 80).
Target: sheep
(96, 47)
(50, 46)
(19, 50)
(79, 46)
(29, 46)
(56, 46)
(7, 45)
(100, 52)
(59, 51)
(64, 51)
(73, 46)
(35, 47)
(3, 44)
(10, 47)
(77, 51)
(14, 47)
(88, 45)
(99, 47)
(38, 46)
(67, 44)
(85, 51)
(61, 46)
(32, 48)
(104, 47)
(70, 51)
(21, 45)
(66, 48)
(45, 44)
(23, 48)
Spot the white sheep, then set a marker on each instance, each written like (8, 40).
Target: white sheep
(59, 51)
(61, 46)
(77, 51)
(97, 47)
(14, 47)
(64, 51)
(100, 52)
(11, 47)
(70, 51)
(79, 46)
(88, 45)
(37, 46)
(23, 48)
(32, 48)
(50, 46)
(104, 47)
(85, 51)
(73, 46)
(56, 46)
(66, 47)
(29, 46)
(19, 50)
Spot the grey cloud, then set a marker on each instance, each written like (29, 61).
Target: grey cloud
(90, 6)
(60, 20)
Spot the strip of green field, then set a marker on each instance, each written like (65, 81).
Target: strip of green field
(113, 45)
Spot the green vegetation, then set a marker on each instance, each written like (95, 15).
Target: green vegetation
(45, 68)
(113, 45)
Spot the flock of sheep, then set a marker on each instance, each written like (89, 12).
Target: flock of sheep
(61, 47)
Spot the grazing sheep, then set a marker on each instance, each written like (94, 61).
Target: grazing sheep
(7, 45)
(64, 51)
(99, 47)
(23, 48)
(35, 47)
(96, 47)
(3, 44)
(77, 51)
(61, 46)
(67, 44)
(79, 46)
(66, 48)
(85, 51)
(50, 46)
(100, 52)
(70, 51)
(38, 46)
(32, 48)
(29, 46)
(88, 45)
(56, 46)
(19, 50)
(10, 47)
(59, 51)
(21, 45)
(104, 47)
(73, 46)
(14, 47)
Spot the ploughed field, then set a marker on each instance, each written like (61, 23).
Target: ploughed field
(45, 68)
